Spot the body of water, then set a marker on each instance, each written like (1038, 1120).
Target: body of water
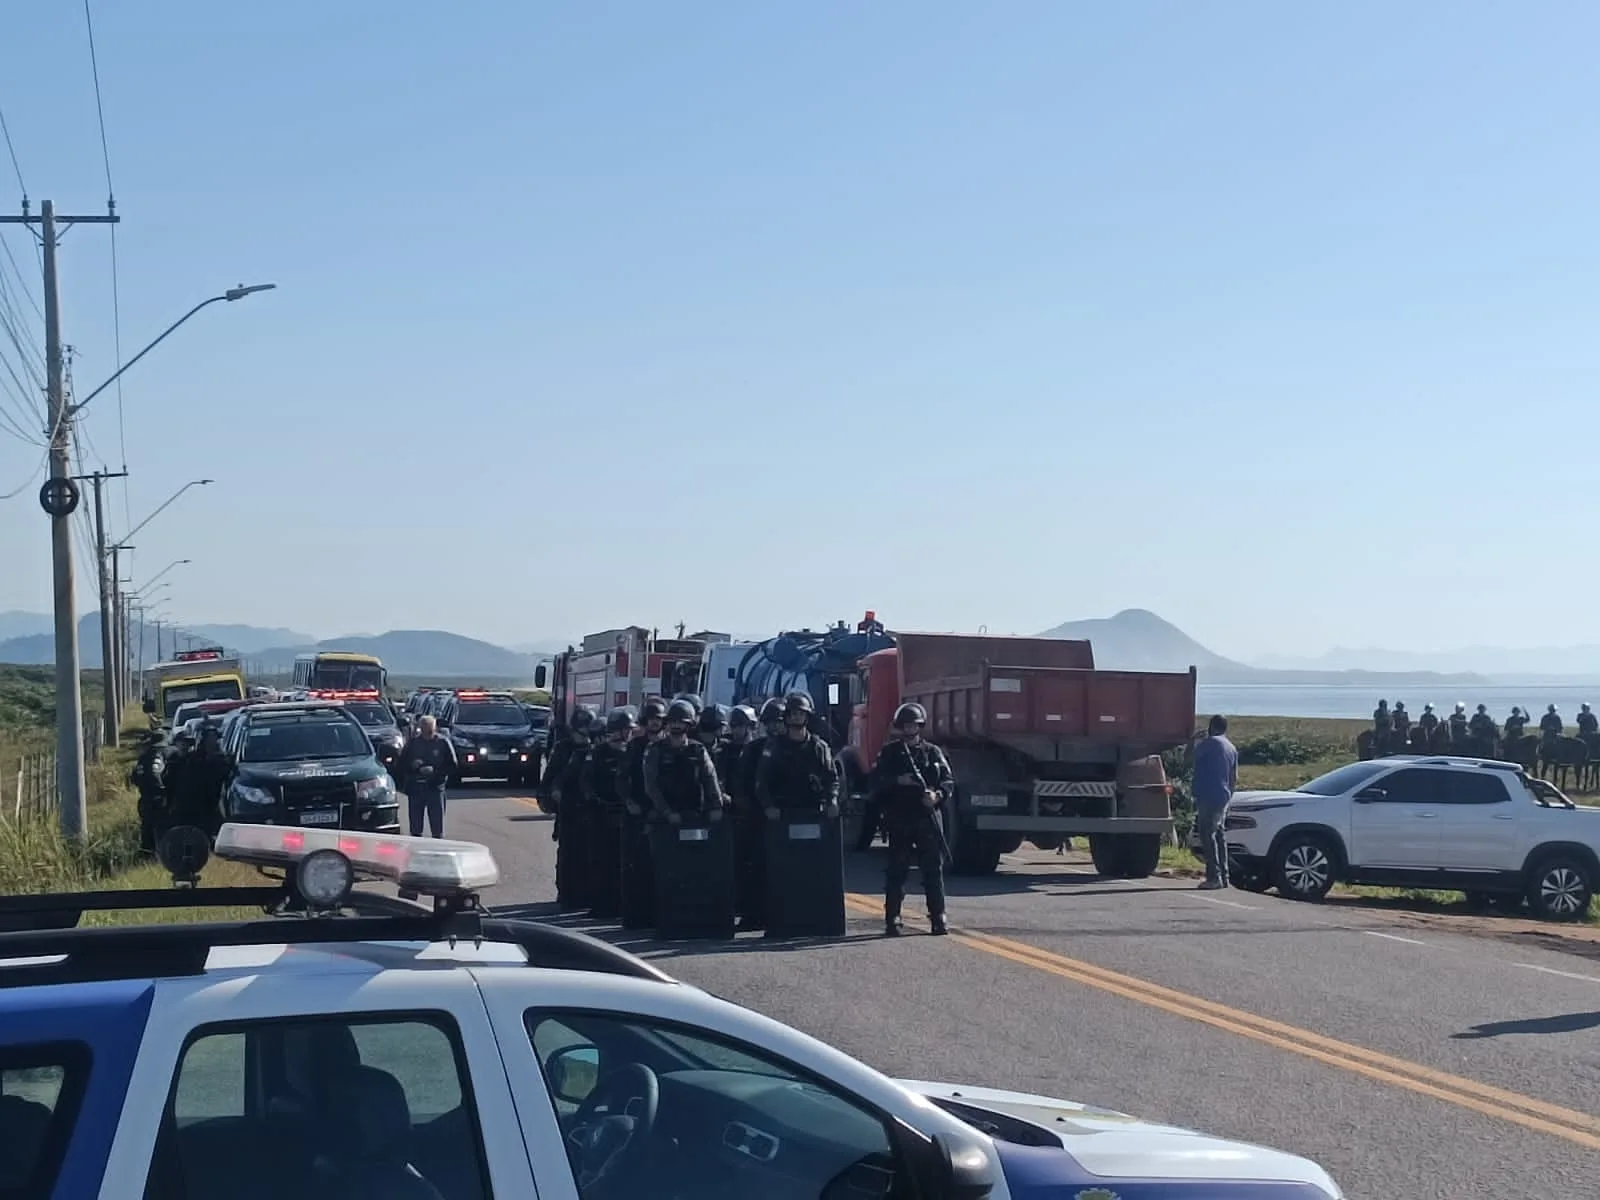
(1357, 701)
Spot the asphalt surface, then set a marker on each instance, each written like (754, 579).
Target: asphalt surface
(1409, 1061)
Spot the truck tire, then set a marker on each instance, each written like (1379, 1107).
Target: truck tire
(1105, 850)
(1125, 855)
(975, 854)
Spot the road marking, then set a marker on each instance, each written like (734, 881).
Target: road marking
(1553, 971)
(1228, 903)
(1393, 937)
(1485, 1099)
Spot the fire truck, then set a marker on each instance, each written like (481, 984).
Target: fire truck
(619, 667)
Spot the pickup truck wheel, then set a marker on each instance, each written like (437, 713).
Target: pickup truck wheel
(1560, 888)
(1303, 867)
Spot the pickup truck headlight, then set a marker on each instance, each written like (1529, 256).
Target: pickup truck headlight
(243, 793)
(375, 789)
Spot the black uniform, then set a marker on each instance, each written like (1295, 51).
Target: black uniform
(1588, 724)
(914, 830)
(681, 780)
(1428, 722)
(197, 798)
(638, 866)
(565, 776)
(1481, 727)
(1458, 729)
(796, 774)
(1516, 725)
(1551, 726)
(727, 758)
(148, 777)
(603, 799)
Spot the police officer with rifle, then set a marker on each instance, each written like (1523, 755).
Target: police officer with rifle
(638, 862)
(797, 791)
(911, 778)
(564, 779)
(148, 777)
(602, 773)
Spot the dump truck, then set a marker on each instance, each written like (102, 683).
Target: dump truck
(192, 675)
(1044, 746)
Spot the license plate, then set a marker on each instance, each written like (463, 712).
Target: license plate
(495, 757)
(319, 818)
(805, 833)
(700, 834)
(990, 801)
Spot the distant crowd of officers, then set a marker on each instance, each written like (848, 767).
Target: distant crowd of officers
(1392, 727)
(611, 783)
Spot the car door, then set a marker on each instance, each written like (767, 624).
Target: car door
(309, 1082)
(1394, 821)
(736, 1108)
(1478, 829)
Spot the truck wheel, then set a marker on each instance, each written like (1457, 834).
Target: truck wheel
(1560, 888)
(1105, 850)
(975, 854)
(1140, 855)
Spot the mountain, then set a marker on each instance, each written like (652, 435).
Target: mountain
(1138, 640)
(1518, 664)
(16, 624)
(426, 652)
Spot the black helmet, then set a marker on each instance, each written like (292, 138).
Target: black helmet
(772, 712)
(742, 717)
(621, 720)
(798, 702)
(654, 707)
(584, 718)
(681, 712)
(694, 701)
(714, 718)
(910, 714)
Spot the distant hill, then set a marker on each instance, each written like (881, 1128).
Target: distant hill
(1138, 640)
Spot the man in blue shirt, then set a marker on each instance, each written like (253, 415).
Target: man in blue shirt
(1216, 775)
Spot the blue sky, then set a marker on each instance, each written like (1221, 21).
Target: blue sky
(757, 315)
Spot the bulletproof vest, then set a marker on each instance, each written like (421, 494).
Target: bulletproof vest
(796, 779)
(924, 756)
(605, 764)
(678, 775)
(631, 783)
(149, 770)
(727, 758)
(749, 768)
(572, 771)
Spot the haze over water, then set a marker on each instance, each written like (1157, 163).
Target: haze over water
(1358, 700)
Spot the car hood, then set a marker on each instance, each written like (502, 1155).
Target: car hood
(474, 731)
(1105, 1155)
(335, 770)
(1248, 798)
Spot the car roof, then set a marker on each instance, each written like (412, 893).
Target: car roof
(1463, 761)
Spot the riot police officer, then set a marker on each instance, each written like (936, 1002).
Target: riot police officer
(912, 777)
(729, 753)
(198, 797)
(148, 777)
(1516, 723)
(602, 773)
(638, 867)
(1458, 727)
(711, 726)
(1551, 726)
(679, 776)
(565, 780)
(1401, 720)
(797, 770)
(749, 838)
(1588, 724)
(1428, 721)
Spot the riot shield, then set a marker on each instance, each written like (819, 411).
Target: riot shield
(694, 878)
(572, 852)
(605, 865)
(638, 874)
(804, 876)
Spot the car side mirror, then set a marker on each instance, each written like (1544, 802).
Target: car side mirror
(539, 676)
(964, 1168)
(573, 1073)
(1368, 795)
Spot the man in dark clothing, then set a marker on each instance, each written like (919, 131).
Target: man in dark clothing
(1551, 726)
(148, 777)
(749, 837)
(571, 832)
(601, 772)
(911, 778)
(425, 767)
(1428, 721)
(729, 753)
(679, 776)
(711, 726)
(196, 790)
(1382, 726)
(1460, 734)
(1402, 724)
(1516, 723)
(797, 770)
(1588, 725)
(1216, 778)
(638, 867)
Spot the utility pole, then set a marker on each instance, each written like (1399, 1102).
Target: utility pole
(110, 667)
(117, 645)
(69, 692)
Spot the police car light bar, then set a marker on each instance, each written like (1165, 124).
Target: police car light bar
(472, 695)
(427, 866)
(335, 694)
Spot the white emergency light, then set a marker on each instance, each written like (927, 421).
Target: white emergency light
(427, 866)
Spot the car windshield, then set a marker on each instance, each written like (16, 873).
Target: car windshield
(348, 677)
(1343, 779)
(490, 712)
(369, 714)
(275, 739)
(218, 689)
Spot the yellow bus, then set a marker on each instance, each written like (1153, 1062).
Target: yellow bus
(340, 671)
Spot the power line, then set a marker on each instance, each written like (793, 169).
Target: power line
(12, 150)
(111, 207)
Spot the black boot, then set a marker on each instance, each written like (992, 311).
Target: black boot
(938, 927)
(891, 925)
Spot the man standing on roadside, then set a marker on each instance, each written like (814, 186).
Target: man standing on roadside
(425, 767)
(1216, 775)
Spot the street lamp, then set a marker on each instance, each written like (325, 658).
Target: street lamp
(123, 544)
(177, 562)
(232, 294)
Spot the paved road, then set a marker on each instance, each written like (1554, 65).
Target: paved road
(1411, 1062)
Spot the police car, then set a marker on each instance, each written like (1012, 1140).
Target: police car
(355, 1046)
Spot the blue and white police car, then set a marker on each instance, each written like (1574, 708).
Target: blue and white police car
(351, 1045)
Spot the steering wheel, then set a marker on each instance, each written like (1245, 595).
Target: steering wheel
(604, 1143)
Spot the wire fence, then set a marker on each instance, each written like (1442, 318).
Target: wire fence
(32, 787)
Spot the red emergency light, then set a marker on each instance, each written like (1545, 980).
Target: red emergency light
(197, 655)
(472, 695)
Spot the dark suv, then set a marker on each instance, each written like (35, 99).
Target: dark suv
(306, 764)
(492, 735)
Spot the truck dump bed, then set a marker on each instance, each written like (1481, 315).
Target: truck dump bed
(1042, 696)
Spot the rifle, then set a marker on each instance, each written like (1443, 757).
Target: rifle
(933, 817)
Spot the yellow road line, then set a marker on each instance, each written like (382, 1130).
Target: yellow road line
(1538, 1115)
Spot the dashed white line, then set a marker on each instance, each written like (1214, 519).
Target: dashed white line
(1393, 937)
(1553, 971)
(1229, 903)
